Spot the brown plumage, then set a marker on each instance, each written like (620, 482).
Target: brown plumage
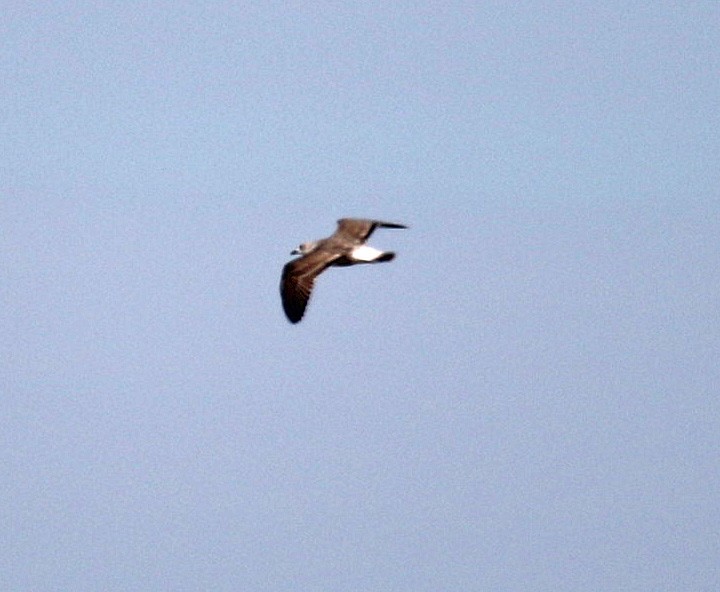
(345, 247)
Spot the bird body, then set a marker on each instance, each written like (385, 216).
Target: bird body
(343, 248)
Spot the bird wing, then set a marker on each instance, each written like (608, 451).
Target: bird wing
(358, 230)
(298, 278)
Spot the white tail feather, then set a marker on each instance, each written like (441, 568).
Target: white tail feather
(365, 253)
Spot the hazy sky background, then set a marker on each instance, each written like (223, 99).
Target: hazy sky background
(527, 398)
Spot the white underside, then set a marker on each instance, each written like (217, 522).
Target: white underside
(365, 253)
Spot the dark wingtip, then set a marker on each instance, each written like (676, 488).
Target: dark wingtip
(293, 317)
(293, 313)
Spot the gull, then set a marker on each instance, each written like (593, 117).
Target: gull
(343, 248)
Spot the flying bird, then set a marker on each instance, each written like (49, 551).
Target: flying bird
(343, 248)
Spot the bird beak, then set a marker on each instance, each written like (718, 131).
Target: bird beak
(295, 252)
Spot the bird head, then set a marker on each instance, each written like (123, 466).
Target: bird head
(303, 248)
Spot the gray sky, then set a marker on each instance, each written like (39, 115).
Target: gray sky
(525, 399)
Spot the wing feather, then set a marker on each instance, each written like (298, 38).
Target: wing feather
(358, 229)
(298, 279)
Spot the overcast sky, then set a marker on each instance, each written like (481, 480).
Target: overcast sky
(526, 398)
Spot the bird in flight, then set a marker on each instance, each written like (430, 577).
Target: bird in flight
(343, 248)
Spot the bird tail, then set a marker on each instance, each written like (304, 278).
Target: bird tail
(386, 256)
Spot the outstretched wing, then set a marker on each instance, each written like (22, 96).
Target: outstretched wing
(298, 278)
(358, 230)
